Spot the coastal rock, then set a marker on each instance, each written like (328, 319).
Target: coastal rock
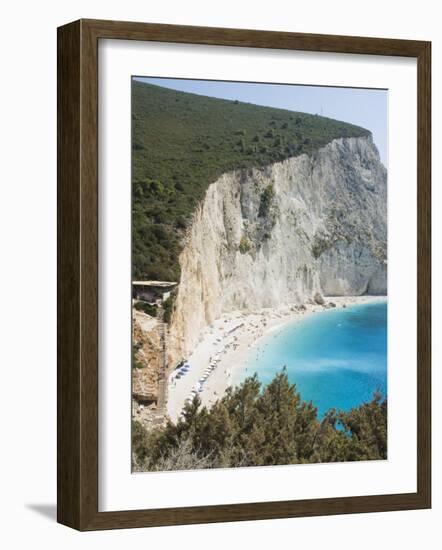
(284, 234)
(147, 355)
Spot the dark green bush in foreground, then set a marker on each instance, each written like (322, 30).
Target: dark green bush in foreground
(251, 426)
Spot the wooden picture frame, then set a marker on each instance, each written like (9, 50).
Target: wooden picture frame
(78, 274)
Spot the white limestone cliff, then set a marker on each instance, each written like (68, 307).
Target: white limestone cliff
(278, 235)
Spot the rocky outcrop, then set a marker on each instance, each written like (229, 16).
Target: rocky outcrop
(283, 234)
(147, 348)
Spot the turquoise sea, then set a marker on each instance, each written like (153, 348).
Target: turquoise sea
(337, 358)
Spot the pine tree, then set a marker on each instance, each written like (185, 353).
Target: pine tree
(255, 426)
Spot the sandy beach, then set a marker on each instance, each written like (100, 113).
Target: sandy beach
(226, 345)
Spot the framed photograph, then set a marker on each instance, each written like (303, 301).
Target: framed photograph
(243, 275)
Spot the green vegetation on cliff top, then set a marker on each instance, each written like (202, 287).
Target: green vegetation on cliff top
(181, 143)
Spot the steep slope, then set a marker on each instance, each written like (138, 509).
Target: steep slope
(265, 237)
(182, 143)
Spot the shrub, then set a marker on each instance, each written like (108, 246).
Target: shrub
(266, 200)
(241, 144)
(321, 243)
(146, 308)
(168, 309)
(136, 363)
(244, 245)
(181, 222)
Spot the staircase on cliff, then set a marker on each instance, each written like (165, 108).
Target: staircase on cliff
(162, 378)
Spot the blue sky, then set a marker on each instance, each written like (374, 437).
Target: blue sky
(361, 106)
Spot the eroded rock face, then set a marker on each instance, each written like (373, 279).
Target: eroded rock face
(147, 343)
(282, 234)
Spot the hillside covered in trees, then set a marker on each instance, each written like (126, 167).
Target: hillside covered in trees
(183, 142)
(255, 426)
